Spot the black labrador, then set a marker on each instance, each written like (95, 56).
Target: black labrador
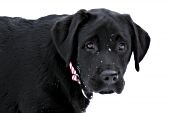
(55, 63)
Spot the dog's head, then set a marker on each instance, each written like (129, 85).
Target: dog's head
(100, 42)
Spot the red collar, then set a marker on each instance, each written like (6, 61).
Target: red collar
(75, 76)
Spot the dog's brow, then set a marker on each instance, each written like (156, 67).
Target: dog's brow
(117, 36)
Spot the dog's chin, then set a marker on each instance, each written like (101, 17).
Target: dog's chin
(107, 92)
(102, 88)
(117, 91)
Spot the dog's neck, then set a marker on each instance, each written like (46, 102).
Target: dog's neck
(76, 77)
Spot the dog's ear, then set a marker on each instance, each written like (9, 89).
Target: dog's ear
(64, 33)
(140, 42)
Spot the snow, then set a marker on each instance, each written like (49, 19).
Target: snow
(145, 92)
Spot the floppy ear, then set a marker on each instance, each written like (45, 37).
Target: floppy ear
(64, 34)
(140, 42)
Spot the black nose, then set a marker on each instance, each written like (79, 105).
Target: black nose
(109, 76)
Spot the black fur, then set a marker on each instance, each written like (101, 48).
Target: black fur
(34, 58)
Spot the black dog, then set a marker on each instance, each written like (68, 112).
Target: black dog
(35, 76)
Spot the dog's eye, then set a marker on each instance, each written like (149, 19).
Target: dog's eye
(90, 45)
(121, 47)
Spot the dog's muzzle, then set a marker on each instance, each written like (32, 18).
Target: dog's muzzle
(112, 82)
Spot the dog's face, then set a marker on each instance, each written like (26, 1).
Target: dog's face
(104, 50)
(100, 42)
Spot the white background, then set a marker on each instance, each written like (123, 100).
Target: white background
(145, 92)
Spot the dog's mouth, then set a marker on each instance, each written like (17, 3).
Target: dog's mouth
(107, 92)
(100, 87)
(117, 91)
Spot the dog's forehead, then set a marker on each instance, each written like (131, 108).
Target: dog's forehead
(104, 22)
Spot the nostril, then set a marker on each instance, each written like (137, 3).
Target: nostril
(106, 78)
(115, 78)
